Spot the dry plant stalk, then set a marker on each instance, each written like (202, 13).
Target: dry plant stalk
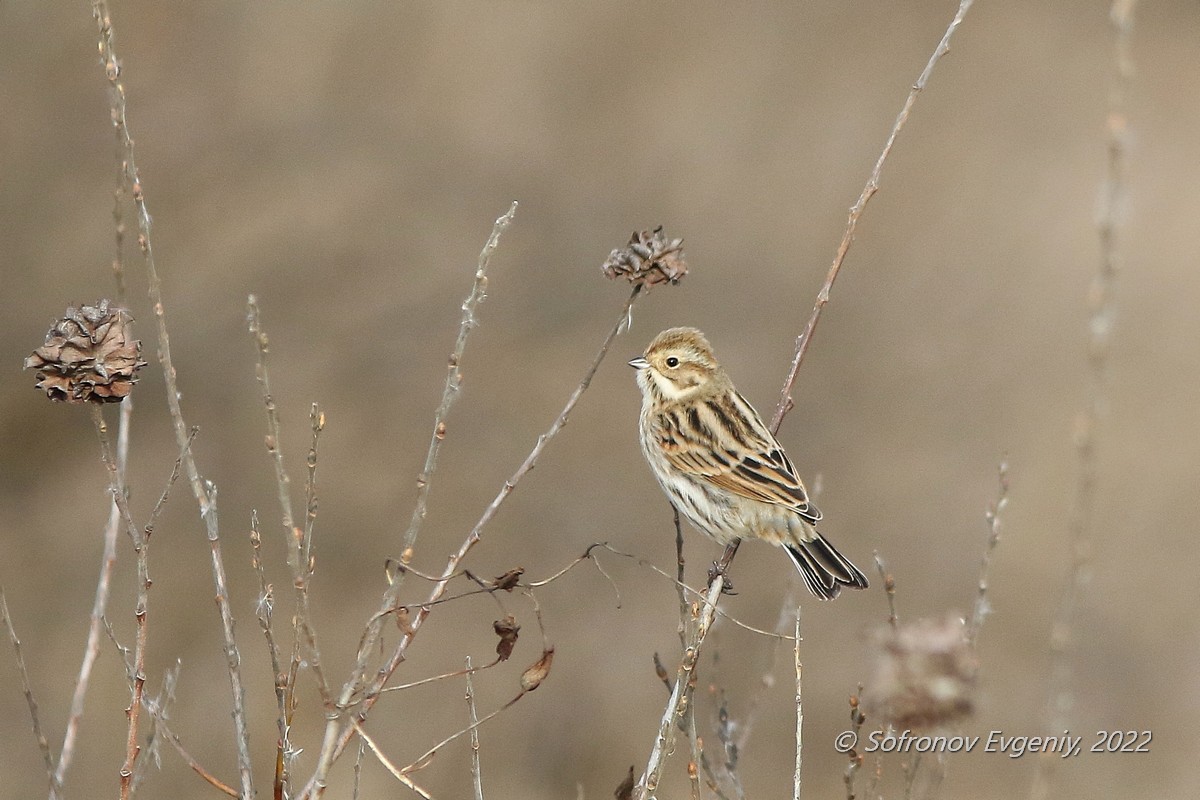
(117, 103)
(372, 693)
(1080, 530)
(992, 518)
(796, 783)
(648, 783)
(27, 688)
(108, 558)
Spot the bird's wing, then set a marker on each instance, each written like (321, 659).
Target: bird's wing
(723, 441)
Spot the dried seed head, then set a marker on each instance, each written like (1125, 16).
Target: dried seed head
(924, 674)
(90, 356)
(650, 258)
(533, 677)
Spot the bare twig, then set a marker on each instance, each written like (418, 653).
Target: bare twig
(453, 381)
(358, 759)
(43, 745)
(108, 559)
(157, 706)
(869, 190)
(650, 778)
(140, 547)
(117, 102)
(300, 558)
(992, 517)
(156, 711)
(233, 657)
(1080, 529)
(265, 609)
(196, 766)
(699, 595)
(458, 673)
(336, 733)
(855, 758)
(799, 713)
(108, 562)
(889, 588)
(397, 773)
(422, 761)
(473, 716)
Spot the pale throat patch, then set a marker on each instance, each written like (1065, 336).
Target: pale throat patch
(668, 387)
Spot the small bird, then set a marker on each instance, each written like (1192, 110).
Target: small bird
(721, 467)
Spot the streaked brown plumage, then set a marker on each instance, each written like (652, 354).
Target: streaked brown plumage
(721, 467)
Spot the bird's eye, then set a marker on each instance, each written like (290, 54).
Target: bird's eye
(672, 362)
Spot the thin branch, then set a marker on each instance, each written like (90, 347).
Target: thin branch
(108, 562)
(889, 588)
(650, 778)
(1080, 528)
(233, 657)
(160, 719)
(458, 673)
(338, 734)
(196, 766)
(317, 421)
(117, 103)
(473, 716)
(992, 517)
(855, 758)
(422, 761)
(141, 547)
(43, 745)
(453, 381)
(397, 773)
(166, 695)
(699, 595)
(300, 559)
(869, 190)
(108, 559)
(265, 609)
(799, 712)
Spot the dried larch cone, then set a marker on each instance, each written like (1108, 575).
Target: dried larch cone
(90, 356)
(924, 674)
(650, 258)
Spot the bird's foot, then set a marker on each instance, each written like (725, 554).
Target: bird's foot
(722, 570)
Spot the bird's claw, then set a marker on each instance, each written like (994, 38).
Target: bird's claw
(717, 569)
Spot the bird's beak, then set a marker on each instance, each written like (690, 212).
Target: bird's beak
(639, 363)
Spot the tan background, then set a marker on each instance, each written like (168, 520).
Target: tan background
(345, 162)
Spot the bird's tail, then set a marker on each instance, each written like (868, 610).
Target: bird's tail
(824, 569)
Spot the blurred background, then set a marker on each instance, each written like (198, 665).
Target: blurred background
(345, 162)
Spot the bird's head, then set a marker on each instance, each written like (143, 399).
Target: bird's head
(678, 364)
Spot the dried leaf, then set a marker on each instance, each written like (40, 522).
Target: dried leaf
(507, 629)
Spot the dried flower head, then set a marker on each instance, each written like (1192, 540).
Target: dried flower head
(532, 677)
(924, 674)
(89, 356)
(649, 258)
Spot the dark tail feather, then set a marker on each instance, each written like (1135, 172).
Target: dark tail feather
(824, 569)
